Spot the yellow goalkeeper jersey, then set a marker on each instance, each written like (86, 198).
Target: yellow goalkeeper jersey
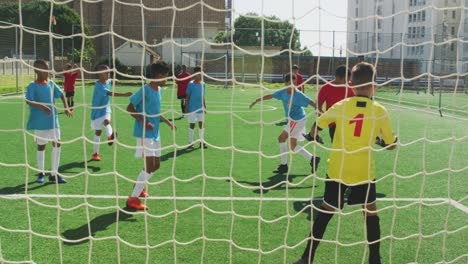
(359, 120)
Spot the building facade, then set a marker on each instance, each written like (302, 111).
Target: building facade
(114, 23)
(430, 31)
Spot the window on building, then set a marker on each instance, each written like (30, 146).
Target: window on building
(409, 32)
(379, 24)
(423, 15)
(414, 32)
(454, 14)
(355, 38)
(419, 16)
(356, 25)
(452, 47)
(418, 30)
(413, 50)
(357, 12)
(410, 18)
(423, 32)
(379, 10)
(421, 51)
(453, 31)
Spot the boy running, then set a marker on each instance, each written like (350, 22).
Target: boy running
(294, 102)
(145, 107)
(43, 118)
(101, 112)
(196, 107)
(358, 121)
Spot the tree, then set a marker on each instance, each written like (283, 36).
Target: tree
(36, 15)
(248, 32)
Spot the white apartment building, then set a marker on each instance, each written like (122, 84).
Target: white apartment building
(378, 27)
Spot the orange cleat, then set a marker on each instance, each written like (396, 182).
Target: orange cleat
(96, 156)
(144, 193)
(136, 204)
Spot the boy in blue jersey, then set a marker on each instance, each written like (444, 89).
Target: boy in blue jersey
(145, 107)
(101, 112)
(196, 106)
(294, 102)
(43, 118)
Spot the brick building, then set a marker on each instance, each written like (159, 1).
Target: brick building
(152, 22)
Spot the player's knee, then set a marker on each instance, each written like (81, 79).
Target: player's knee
(41, 147)
(98, 132)
(371, 209)
(106, 122)
(56, 144)
(327, 207)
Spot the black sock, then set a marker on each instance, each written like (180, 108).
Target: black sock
(373, 234)
(182, 106)
(72, 102)
(318, 229)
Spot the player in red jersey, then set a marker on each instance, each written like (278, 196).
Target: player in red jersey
(182, 82)
(70, 77)
(300, 79)
(335, 91)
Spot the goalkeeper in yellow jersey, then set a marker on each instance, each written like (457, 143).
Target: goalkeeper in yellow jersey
(359, 120)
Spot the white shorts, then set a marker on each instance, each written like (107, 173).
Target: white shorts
(97, 124)
(44, 136)
(195, 117)
(147, 147)
(295, 129)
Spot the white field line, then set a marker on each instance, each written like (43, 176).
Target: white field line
(218, 198)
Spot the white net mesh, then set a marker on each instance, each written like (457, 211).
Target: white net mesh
(223, 204)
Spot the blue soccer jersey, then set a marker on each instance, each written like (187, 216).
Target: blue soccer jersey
(294, 108)
(44, 93)
(197, 93)
(101, 100)
(147, 102)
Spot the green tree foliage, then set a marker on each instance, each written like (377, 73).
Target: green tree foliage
(248, 32)
(37, 15)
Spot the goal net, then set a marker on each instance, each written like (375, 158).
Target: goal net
(225, 203)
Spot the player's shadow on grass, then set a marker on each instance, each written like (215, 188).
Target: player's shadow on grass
(78, 165)
(21, 189)
(178, 152)
(317, 202)
(99, 223)
(282, 123)
(274, 181)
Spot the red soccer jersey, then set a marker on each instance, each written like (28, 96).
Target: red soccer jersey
(331, 94)
(300, 81)
(182, 84)
(70, 79)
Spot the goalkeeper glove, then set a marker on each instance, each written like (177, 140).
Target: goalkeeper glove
(310, 138)
(379, 141)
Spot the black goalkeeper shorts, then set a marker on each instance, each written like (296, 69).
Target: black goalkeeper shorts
(360, 194)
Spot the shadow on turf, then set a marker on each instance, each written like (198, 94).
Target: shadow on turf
(78, 165)
(99, 223)
(177, 153)
(21, 189)
(282, 123)
(274, 180)
(317, 202)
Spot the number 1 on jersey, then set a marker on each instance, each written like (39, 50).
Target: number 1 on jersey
(359, 120)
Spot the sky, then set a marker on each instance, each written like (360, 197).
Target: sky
(310, 17)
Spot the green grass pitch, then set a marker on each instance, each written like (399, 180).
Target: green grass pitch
(247, 224)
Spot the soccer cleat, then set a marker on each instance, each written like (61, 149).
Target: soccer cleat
(144, 193)
(203, 145)
(317, 138)
(40, 178)
(314, 162)
(283, 168)
(136, 204)
(57, 179)
(96, 156)
(111, 138)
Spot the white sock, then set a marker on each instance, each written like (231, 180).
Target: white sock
(141, 182)
(55, 160)
(190, 135)
(201, 133)
(283, 151)
(40, 160)
(96, 139)
(306, 154)
(109, 130)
